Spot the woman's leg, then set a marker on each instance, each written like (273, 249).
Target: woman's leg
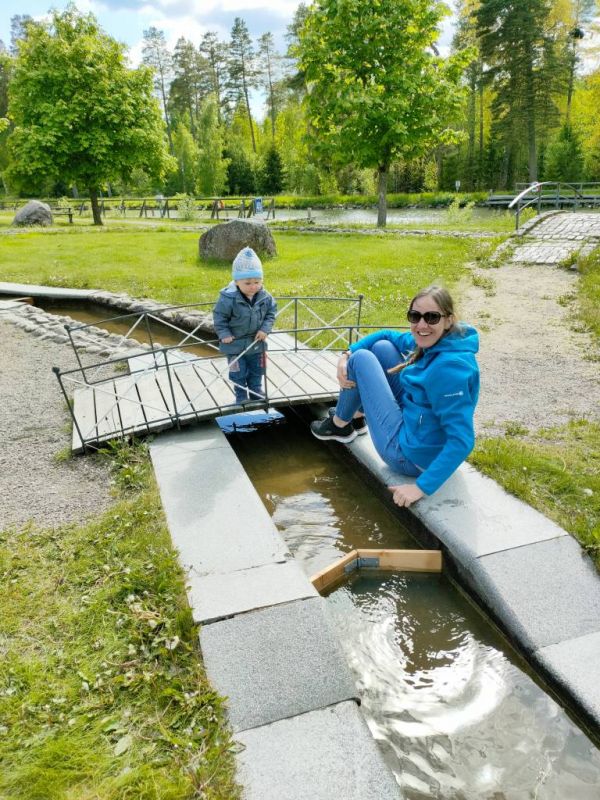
(384, 415)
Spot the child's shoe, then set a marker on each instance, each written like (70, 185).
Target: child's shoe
(358, 423)
(326, 430)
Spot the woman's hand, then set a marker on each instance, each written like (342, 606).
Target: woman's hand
(405, 494)
(342, 372)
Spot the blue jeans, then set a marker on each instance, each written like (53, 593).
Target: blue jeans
(378, 394)
(247, 375)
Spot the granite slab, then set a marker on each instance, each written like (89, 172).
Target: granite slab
(216, 519)
(324, 754)
(276, 663)
(218, 596)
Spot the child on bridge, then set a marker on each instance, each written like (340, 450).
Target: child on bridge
(243, 317)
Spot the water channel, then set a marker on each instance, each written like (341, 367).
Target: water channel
(457, 713)
(368, 216)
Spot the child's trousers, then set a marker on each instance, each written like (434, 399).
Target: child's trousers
(246, 374)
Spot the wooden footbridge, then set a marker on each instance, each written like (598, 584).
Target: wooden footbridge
(137, 392)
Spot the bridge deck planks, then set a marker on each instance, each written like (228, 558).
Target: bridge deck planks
(143, 402)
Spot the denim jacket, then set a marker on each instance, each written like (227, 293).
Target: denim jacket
(233, 315)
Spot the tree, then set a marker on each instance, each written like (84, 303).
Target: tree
(270, 59)
(272, 177)
(212, 167)
(215, 53)
(157, 56)
(242, 70)
(80, 114)
(375, 90)
(564, 159)
(518, 51)
(18, 31)
(191, 83)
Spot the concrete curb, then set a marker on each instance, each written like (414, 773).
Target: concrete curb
(267, 639)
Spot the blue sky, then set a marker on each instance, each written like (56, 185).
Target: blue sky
(126, 20)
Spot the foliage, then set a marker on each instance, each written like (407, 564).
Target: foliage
(272, 175)
(187, 154)
(102, 690)
(376, 91)
(588, 295)
(186, 208)
(243, 72)
(80, 114)
(558, 473)
(212, 166)
(564, 159)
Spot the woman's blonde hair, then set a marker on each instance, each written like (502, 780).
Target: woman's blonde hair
(442, 298)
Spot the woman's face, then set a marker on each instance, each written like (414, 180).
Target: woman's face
(427, 334)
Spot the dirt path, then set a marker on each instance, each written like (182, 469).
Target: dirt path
(534, 357)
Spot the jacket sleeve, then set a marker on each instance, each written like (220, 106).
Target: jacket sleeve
(221, 317)
(453, 397)
(269, 320)
(402, 341)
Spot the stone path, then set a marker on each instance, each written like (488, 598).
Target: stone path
(536, 358)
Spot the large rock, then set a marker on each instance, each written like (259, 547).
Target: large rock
(33, 213)
(225, 241)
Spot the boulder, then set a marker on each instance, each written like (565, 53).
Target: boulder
(225, 241)
(33, 213)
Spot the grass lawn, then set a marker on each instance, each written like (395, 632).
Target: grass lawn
(164, 264)
(102, 691)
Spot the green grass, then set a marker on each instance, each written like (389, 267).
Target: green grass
(588, 301)
(102, 692)
(164, 265)
(557, 471)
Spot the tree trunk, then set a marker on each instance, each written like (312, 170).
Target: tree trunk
(382, 176)
(530, 111)
(97, 216)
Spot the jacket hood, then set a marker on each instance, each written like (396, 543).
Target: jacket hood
(464, 340)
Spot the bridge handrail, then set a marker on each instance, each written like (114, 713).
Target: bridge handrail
(537, 188)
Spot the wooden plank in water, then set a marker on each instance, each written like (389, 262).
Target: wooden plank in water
(336, 571)
(388, 560)
(84, 409)
(405, 560)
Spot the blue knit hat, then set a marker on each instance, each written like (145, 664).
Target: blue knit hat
(246, 265)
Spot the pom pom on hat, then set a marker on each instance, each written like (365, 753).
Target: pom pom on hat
(246, 265)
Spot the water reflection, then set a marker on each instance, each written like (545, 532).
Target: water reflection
(320, 506)
(455, 714)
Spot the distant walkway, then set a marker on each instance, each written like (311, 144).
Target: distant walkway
(535, 357)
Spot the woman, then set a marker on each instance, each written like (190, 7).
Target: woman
(418, 391)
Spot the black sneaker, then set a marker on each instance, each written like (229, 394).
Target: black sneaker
(358, 423)
(325, 430)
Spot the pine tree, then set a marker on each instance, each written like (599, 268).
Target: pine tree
(272, 177)
(156, 55)
(242, 70)
(215, 53)
(270, 60)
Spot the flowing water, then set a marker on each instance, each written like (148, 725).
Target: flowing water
(457, 713)
(368, 216)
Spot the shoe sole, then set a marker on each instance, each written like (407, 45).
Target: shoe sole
(343, 439)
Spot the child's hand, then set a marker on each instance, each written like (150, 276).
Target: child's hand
(227, 340)
(260, 336)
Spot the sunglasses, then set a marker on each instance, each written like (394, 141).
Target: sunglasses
(430, 317)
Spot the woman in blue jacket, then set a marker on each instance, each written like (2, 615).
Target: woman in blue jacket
(418, 391)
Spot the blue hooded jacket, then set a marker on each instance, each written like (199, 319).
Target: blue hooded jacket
(438, 398)
(234, 316)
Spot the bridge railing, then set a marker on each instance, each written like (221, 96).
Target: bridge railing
(195, 347)
(546, 193)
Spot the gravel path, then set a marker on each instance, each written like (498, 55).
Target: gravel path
(34, 428)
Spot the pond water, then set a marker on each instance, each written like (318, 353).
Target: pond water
(457, 713)
(368, 216)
